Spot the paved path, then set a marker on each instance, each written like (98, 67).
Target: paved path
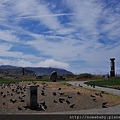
(110, 90)
(110, 110)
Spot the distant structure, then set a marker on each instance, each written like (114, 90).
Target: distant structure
(53, 76)
(112, 71)
(31, 97)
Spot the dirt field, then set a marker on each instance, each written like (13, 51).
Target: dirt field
(13, 98)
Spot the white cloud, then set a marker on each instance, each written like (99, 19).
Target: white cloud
(30, 8)
(111, 26)
(8, 35)
(47, 15)
(18, 11)
(86, 15)
(64, 50)
(53, 63)
(5, 52)
(23, 63)
(67, 31)
(4, 47)
(3, 12)
(12, 9)
(16, 62)
(77, 39)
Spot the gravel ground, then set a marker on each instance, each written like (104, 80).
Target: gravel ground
(110, 110)
(83, 103)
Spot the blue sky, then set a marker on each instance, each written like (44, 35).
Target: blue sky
(77, 35)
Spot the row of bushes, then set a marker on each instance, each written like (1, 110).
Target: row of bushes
(89, 76)
(83, 76)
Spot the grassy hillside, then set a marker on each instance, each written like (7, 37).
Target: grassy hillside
(2, 80)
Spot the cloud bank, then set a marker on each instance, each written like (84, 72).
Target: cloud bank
(78, 35)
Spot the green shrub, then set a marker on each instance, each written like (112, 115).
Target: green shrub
(84, 75)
